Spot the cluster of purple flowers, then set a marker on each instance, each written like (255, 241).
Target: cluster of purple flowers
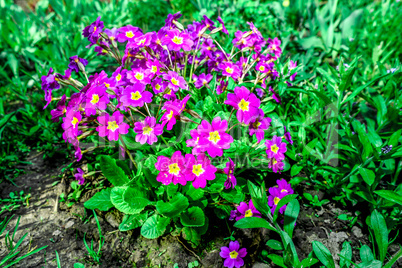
(153, 69)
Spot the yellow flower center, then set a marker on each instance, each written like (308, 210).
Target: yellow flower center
(274, 148)
(174, 169)
(118, 77)
(129, 34)
(198, 170)
(284, 190)
(157, 86)
(177, 40)
(95, 99)
(262, 68)
(248, 213)
(95, 29)
(139, 76)
(74, 121)
(174, 81)
(142, 42)
(146, 130)
(136, 95)
(107, 85)
(276, 200)
(76, 60)
(112, 125)
(274, 161)
(233, 254)
(229, 70)
(170, 115)
(256, 124)
(273, 48)
(154, 69)
(214, 136)
(243, 105)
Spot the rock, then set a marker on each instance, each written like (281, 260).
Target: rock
(56, 233)
(357, 231)
(261, 265)
(69, 224)
(111, 219)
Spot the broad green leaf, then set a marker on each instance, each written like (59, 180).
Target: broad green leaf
(308, 262)
(254, 222)
(112, 172)
(154, 226)
(346, 252)
(132, 221)
(259, 197)
(174, 207)
(100, 201)
(136, 199)
(278, 260)
(295, 170)
(323, 254)
(368, 175)
(282, 203)
(79, 265)
(193, 217)
(379, 227)
(390, 196)
(290, 254)
(371, 264)
(275, 244)
(366, 255)
(291, 213)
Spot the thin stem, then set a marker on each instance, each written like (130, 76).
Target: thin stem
(230, 115)
(233, 127)
(146, 106)
(128, 152)
(159, 108)
(221, 49)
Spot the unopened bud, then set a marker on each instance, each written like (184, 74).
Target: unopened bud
(179, 25)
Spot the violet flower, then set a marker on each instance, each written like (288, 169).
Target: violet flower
(231, 181)
(276, 148)
(76, 64)
(233, 255)
(278, 192)
(93, 30)
(147, 131)
(80, 176)
(245, 211)
(202, 80)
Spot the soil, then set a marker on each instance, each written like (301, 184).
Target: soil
(51, 222)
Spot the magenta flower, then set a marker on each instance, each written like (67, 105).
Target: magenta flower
(223, 25)
(241, 40)
(276, 148)
(93, 30)
(202, 80)
(76, 62)
(231, 181)
(214, 138)
(158, 85)
(112, 126)
(233, 255)
(274, 46)
(276, 165)
(171, 169)
(229, 69)
(199, 170)
(147, 131)
(80, 176)
(258, 124)
(141, 41)
(173, 111)
(275, 96)
(135, 96)
(194, 142)
(70, 124)
(60, 109)
(128, 33)
(207, 22)
(288, 137)
(176, 40)
(96, 98)
(245, 102)
(278, 192)
(171, 18)
(245, 211)
(175, 81)
(138, 75)
(77, 153)
(49, 83)
(153, 67)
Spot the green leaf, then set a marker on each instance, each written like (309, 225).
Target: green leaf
(79, 265)
(112, 172)
(194, 194)
(371, 264)
(323, 254)
(283, 202)
(128, 200)
(379, 227)
(259, 197)
(132, 221)
(174, 207)
(291, 213)
(308, 262)
(368, 175)
(365, 254)
(390, 196)
(295, 170)
(193, 217)
(100, 201)
(346, 252)
(278, 260)
(275, 244)
(136, 199)
(254, 222)
(154, 226)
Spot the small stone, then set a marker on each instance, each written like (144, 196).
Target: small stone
(357, 231)
(69, 224)
(56, 233)
(261, 265)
